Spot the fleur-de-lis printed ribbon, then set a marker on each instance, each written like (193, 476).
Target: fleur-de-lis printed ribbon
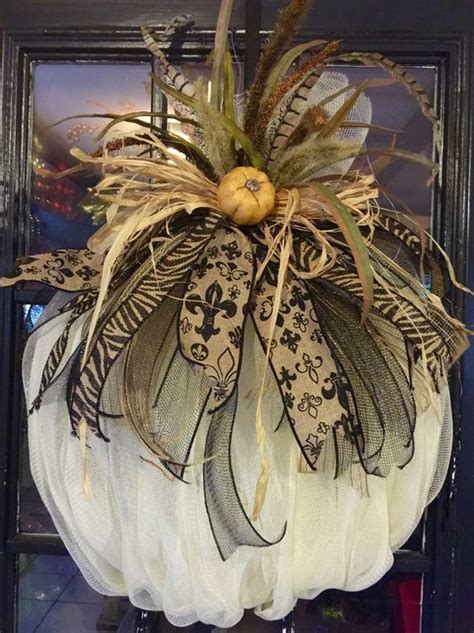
(302, 363)
(214, 310)
(65, 269)
(211, 330)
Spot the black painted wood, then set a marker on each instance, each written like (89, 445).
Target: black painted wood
(43, 544)
(463, 467)
(13, 191)
(253, 24)
(347, 17)
(114, 13)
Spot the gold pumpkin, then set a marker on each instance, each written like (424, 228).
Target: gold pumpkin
(246, 195)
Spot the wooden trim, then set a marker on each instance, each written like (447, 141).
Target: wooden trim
(41, 544)
(253, 23)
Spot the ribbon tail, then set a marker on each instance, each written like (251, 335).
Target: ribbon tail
(69, 270)
(156, 412)
(229, 521)
(380, 426)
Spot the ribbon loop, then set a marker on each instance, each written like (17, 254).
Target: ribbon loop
(214, 310)
(302, 363)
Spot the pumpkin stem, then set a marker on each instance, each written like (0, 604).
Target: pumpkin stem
(253, 185)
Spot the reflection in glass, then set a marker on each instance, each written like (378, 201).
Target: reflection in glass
(31, 314)
(53, 597)
(66, 90)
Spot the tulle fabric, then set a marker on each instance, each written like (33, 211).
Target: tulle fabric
(148, 536)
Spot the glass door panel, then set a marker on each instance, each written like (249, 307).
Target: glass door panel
(62, 91)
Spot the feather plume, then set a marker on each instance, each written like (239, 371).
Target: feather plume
(167, 72)
(304, 78)
(312, 121)
(286, 117)
(288, 103)
(218, 143)
(302, 162)
(175, 24)
(288, 21)
(285, 63)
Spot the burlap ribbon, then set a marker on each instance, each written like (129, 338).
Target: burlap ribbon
(66, 269)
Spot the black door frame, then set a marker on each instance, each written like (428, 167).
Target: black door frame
(449, 556)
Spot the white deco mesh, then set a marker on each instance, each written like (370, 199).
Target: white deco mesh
(147, 536)
(329, 84)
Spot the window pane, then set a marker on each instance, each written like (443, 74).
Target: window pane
(391, 606)
(53, 597)
(394, 108)
(66, 90)
(33, 516)
(31, 314)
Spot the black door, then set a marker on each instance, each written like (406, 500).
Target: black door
(61, 58)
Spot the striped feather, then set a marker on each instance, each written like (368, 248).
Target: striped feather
(288, 114)
(168, 73)
(178, 22)
(297, 86)
(402, 76)
(171, 76)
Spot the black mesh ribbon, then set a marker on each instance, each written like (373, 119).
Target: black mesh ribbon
(422, 323)
(128, 308)
(229, 522)
(381, 421)
(76, 307)
(154, 375)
